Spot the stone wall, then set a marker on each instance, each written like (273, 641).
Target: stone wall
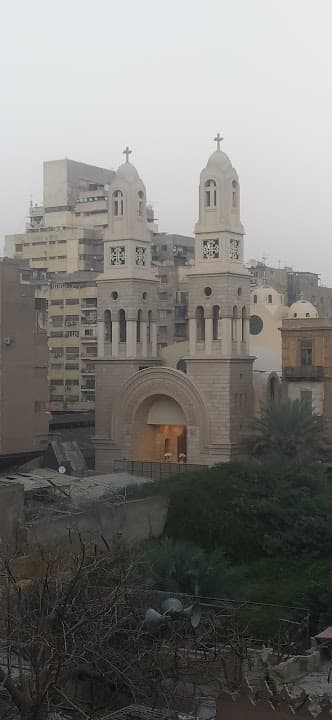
(132, 522)
(11, 515)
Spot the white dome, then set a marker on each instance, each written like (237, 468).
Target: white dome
(219, 161)
(302, 309)
(128, 172)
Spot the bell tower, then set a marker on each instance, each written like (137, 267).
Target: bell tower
(219, 363)
(127, 299)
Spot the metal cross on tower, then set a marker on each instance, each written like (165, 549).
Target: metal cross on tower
(218, 139)
(127, 152)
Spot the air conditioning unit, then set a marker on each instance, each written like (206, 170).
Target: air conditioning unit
(8, 341)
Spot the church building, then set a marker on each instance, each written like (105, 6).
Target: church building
(193, 401)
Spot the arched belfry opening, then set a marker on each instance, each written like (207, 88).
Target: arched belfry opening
(163, 432)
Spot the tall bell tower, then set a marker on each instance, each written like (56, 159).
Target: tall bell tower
(219, 363)
(127, 300)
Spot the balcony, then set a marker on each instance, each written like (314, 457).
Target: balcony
(313, 373)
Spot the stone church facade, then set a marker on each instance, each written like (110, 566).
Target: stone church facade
(198, 407)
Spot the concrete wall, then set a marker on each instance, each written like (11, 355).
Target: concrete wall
(132, 522)
(11, 515)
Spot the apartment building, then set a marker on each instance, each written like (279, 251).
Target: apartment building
(63, 244)
(293, 285)
(173, 256)
(72, 338)
(23, 365)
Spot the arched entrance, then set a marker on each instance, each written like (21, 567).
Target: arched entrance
(163, 436)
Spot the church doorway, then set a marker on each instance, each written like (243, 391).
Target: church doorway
(162, 436)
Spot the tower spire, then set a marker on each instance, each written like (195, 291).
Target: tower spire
(218, 139)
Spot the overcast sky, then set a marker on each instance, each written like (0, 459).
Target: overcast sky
(81, 79)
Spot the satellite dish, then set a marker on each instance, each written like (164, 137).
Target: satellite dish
(170, 606)
(61, 469)
(153, 618)
(193, 613)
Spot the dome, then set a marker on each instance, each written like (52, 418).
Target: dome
(219, 161)
(128, 172)
(302, 309)
(266, 295)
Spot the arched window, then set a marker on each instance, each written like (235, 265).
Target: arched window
(140, 206)
(138, 326)
(210, 193)
(215, 322)
(255, 299)
(235, 193)
(149, 326)
(200, 324)
(273, 389)
(123, 326)
(234, 322)
(108, 325)
(181, 365)
(243, 324)
(118, 203)
(269, 299)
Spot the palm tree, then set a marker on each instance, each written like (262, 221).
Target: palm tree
(289, 428)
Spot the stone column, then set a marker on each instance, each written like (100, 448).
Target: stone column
(226, 336)
(144, 341)
(100, 338)
(131, 338)
(192, 336)
(154, 339)
(115, 337)
(208, 336)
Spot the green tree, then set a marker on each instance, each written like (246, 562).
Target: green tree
(289, 428)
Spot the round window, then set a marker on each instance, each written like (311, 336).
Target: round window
(114, 295)
(207, 291)
(256, 325)
(144, 295)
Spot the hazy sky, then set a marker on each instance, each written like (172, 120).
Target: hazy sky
(81, 79)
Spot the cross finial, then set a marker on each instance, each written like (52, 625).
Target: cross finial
(127, 152)
(218, 139)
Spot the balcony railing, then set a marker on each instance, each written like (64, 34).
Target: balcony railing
(303, 372)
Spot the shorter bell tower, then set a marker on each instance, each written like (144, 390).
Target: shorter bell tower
(127, 300)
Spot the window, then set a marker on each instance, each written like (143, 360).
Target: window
(215, 322)
(164, 248)
(269, 299)
(72, 301)
(273, 389)
(207, 291)
(18, 247)
(200, 324)
(57, 302)
(306, 352)
(243, 324)
(88, 332)
(149, 326)
(255, 299)
(306, 397)
(123, 326)
(138, 326)
(181, 365)
(235, 193)
(255, 325)
(140, 208)
(210, 194)
(108, 325)
(234, 322)
(164, 279)
(118, 203)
